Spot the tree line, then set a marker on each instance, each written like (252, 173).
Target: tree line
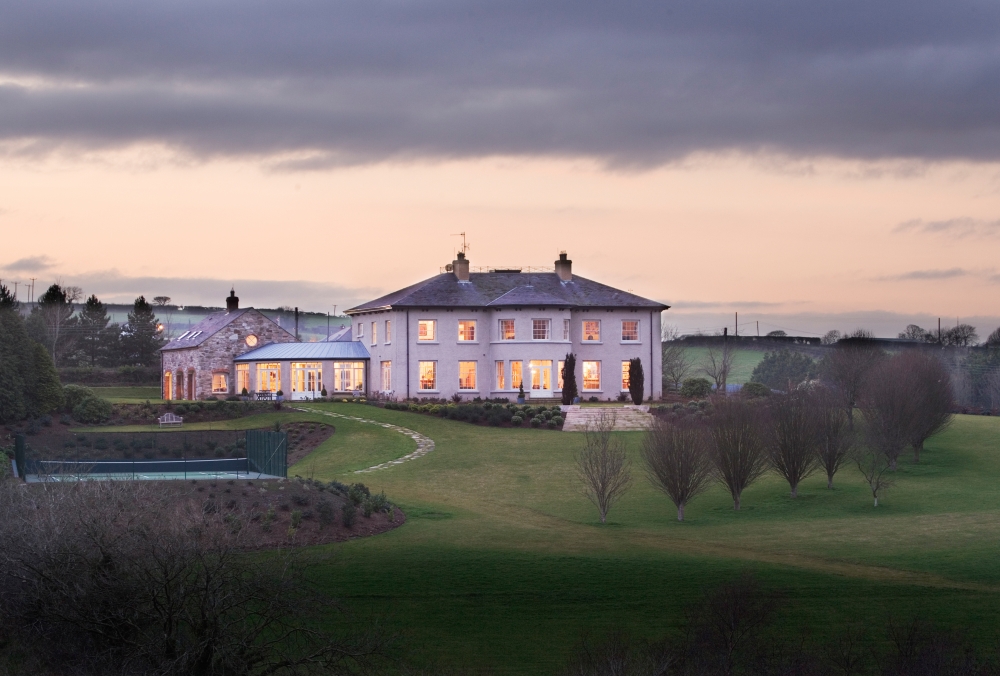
(82, 334)
(902, 399)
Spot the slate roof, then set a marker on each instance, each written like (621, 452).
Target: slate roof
(321, 351)
(502, 289)
(203, 330)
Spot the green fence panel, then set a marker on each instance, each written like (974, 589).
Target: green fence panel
(267, 452)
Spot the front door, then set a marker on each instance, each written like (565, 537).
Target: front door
(541, 379)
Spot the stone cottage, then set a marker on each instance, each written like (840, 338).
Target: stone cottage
(200, 363)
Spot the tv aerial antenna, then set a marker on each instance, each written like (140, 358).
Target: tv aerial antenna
(465, 245)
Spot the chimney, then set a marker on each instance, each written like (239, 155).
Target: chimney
(460, 266)
(233, 302)
(564, 268)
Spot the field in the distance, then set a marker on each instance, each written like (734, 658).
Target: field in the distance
(743, 364)
(502, 562)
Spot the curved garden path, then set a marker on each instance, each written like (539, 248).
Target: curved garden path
(424, 444)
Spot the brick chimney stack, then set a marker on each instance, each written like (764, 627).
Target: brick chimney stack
(564, 268)
(233, 302)
(460, 266)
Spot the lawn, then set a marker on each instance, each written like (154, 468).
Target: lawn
(502, 564)
(129, 395)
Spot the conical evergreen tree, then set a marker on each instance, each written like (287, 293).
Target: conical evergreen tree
(52, 322)
(141, 339)
(12, 402)
(44, 391)
(569, 390)
(95, 337)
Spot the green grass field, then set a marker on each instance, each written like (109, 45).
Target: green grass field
(743, 364)
(129, 395)
(502, 562)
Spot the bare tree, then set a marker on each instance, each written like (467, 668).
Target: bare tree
(719, 364)
(932, 394)
(874, 466)
(678, 461)
(677, 364)
(834, 438)
(792, 437)
(962, 335)
(738, 448)
(618, 654)
(890, 408)
(830, 337)
(112, 577)
(603, 464)
(994, 338)
(848, 366)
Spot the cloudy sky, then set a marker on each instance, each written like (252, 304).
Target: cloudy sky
(810, 165)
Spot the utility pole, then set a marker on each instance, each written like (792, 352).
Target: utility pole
(31, 296)
(737, 324)
(328, 325)
(15, 290)
(758, 328)
(939, 330)
(296, 324)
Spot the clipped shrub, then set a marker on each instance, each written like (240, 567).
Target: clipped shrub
(93, 410)
(516, 420)
(558, 420)
(435, 409)
(551, 423)
(76, 394)
(696, 388)
(537, 421)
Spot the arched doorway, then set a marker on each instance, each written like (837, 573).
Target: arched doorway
(168, 382)
(190, 384)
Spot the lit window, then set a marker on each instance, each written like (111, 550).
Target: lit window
(467, 330)
(540, 329)
(591, 375)
(426, 330)
(500, 375)
(374, 330)
(506, 329)
(220, 383)
(348, 376)
(625, 372)
(387, 375)
(243, 377)
(168, 380)
(515, 374)
(561, 366)
(388, 331)
(565, 329)
(428, 375)
(307, 377)
(592, 329)
(630, 330)
(466, 375)
(268, 377)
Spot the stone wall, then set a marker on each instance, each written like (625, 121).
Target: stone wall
(218, 352)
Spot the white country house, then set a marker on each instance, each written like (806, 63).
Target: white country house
(485, 333)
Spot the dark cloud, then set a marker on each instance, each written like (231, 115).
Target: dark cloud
(112, 287)
(953, 227)
(29, 264)
(307, 83)
(919, 275)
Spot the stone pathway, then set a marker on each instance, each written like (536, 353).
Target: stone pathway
(424, 444)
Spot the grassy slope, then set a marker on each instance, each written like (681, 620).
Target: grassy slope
(743, 364)
(502, 562)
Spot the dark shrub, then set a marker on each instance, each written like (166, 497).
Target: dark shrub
(300, 500)
(92, 410)
(77, 394)
(349, 514)
(326, 514)
(755, 390)
(696, 388)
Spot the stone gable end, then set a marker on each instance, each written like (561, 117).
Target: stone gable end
(219, 351)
